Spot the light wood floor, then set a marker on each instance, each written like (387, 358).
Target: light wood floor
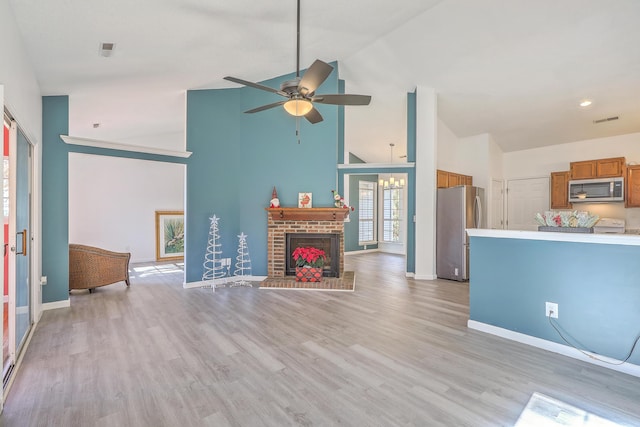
(395, 352)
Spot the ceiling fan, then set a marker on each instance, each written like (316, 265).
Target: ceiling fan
(300, 92)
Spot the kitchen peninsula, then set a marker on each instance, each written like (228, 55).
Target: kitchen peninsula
(594, 279)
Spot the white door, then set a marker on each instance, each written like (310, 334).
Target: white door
(497, 204)
(525, 198)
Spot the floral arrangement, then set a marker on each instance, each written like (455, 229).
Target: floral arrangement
(309, 256)
(339, 201)
(567, 219)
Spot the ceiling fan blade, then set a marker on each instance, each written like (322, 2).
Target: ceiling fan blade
(256, 85)
(265, 107)
(342, 99)
(313, 77)
(313, 116)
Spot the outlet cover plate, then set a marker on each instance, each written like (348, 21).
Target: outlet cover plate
(551, 308)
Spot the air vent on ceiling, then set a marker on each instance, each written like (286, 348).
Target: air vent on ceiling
(106, 49)
(608, 119)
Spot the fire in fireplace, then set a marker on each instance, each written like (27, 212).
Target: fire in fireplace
(329, 243)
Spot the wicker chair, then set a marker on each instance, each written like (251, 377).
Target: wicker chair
(91, 267)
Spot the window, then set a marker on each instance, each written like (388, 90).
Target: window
(392, 214)
(367, 213)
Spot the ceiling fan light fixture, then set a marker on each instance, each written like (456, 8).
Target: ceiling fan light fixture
(298, 107)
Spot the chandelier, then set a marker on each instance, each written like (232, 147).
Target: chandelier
(392, 182)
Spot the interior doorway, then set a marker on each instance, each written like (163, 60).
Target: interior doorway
(380, 220)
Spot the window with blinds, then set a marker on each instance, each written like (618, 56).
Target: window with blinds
(392, 214)
(367, 213)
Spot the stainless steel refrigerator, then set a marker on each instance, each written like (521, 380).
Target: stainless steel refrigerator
(458, 208)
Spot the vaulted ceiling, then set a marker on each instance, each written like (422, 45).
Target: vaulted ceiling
(516, 69)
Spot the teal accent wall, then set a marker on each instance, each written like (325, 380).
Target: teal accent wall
(55, 198)
(55, 193)
(341, 86)
(411, 179)
(237, 160)
(351, 228)
(595, 286)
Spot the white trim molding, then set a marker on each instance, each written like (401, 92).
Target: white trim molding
(56, 304)
(362, 251)
(408, 165)
(565, 350)
(425, 276)
(86, 142)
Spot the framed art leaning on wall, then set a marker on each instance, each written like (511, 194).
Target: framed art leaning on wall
(169, 235)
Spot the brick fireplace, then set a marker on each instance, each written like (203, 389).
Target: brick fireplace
(299, 221)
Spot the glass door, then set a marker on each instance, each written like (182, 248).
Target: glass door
(6, 362)
(18, 207)
(22, 246)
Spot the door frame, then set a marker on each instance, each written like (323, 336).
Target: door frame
(35, 299)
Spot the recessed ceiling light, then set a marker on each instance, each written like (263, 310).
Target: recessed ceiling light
(586, 103)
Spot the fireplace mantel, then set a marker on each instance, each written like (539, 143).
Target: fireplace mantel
(308, 214)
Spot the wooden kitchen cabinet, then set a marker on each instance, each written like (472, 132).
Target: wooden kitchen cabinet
(606, 168)
(599, 168)
(446, 179)
(560, 190)
(583, 170)
(442, 179)
(632, 199)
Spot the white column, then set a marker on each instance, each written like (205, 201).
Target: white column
(426, 163)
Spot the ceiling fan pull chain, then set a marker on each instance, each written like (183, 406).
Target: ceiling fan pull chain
(298, 129)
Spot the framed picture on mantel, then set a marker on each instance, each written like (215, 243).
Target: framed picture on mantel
(305, 200)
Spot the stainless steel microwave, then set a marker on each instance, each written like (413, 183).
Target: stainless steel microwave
(596, 190)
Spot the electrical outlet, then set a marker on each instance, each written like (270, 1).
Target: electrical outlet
(43, 280)
(551, 309)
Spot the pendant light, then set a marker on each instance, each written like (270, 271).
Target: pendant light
(392, 182)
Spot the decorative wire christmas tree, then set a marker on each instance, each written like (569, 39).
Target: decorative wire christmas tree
(213, 267)
(243, 262)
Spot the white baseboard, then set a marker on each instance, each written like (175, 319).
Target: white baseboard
(222, 281)
(56, 304)
(361, 251)
(425, 276)
(410, 274)
(565, 350)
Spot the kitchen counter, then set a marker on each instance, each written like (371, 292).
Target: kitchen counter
(606, 239)
(594, 279)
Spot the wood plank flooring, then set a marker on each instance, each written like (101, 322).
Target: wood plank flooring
(396, 352)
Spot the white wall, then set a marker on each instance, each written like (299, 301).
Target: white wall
(542, 161)
(23, 100)
(21, 91)
(112, 201)
(478, 156)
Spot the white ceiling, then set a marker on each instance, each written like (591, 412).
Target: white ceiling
(516, 69)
